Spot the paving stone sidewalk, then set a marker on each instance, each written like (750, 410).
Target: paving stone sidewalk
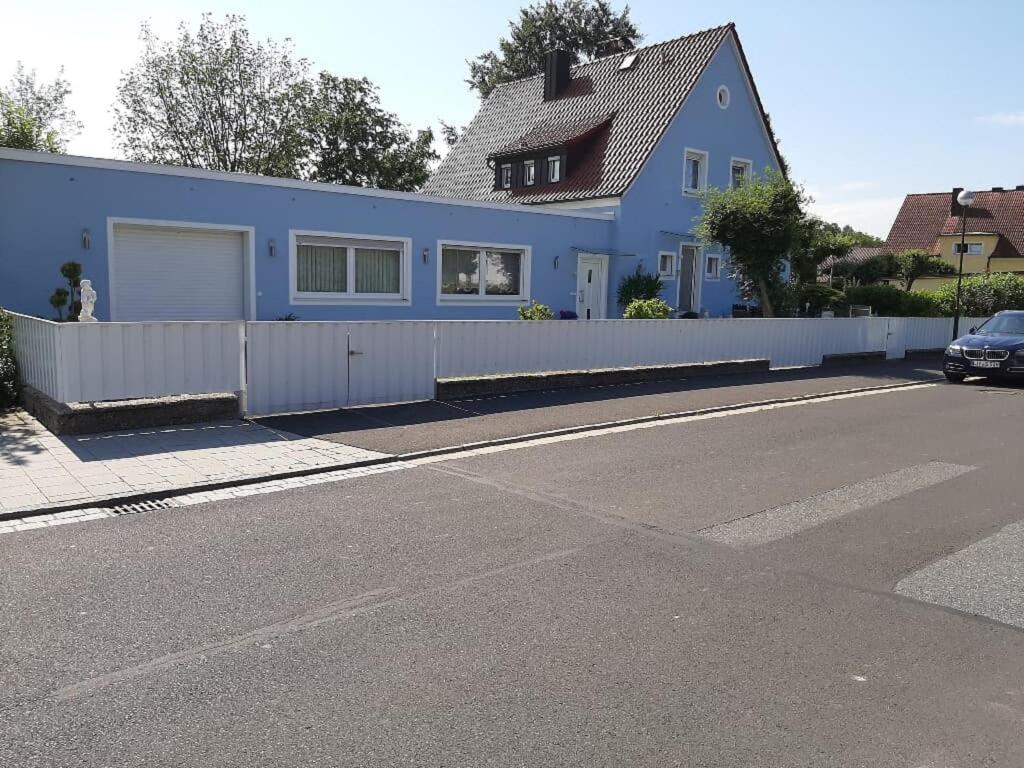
(40, 470)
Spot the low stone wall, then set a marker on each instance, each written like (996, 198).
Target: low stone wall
(475, 386)
(86, 418)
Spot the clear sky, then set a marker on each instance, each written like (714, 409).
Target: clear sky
(871, 99)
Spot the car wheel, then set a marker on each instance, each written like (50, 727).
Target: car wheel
(955, 378)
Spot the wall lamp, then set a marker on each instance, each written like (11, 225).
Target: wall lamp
(272, 247)
(426, 255)
(86, 239)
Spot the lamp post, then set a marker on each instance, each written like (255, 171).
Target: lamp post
(966, 200)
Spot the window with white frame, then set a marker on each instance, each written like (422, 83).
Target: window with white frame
(506, 176)
(695, 172)
(973, 249)
(740, 171)
(328, 268)
(529, 173)
(554, 169)
(483, 272)
(666, 264)
(712, 267)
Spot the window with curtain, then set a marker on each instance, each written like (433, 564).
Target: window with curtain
(338, 267)
(482, 272)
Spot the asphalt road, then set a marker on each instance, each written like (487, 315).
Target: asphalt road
(782, 587)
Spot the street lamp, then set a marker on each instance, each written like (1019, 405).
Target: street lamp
(966, 200)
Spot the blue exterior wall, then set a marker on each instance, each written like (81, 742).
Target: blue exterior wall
(44, 208)
(654, 211)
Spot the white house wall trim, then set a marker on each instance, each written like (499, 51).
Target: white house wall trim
(22, 155)
(248, 245)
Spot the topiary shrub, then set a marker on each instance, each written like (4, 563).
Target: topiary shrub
(536, 311)
(8, 365)
(639, 285)
(647, 309)
(981, 295)
(884, 300)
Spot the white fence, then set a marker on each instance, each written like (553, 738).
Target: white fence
(299, 366)
(85, 362)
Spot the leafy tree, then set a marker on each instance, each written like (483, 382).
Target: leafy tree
(760, 223)
(35, 115)
(866, 272)
(580, 27)
(639, 285)
(858, 237)
(354, 141)
(910, 265)
(647, 309)
(451, 134)
(817, 242)
(811, 298)
(215, 99)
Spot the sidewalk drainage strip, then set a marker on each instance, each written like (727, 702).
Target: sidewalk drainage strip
(159, 500)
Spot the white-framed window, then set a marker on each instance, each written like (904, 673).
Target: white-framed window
(695, 172)
(506, 175)
(529, 172)
(483, 272)
(722, 97)
(336, 268)
(666, 264)
(973, 249)
(554, 169)
(740, 171)
(712, 266)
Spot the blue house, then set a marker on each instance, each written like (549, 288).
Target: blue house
(562, 184)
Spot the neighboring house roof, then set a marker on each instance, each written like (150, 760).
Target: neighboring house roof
(924, 218)
(625, 113)
(857, 255)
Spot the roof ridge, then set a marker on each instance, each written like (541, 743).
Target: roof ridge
(731, 25)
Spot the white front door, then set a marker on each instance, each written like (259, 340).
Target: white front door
(592, 286)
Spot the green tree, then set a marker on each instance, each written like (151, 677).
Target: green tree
(354, 141)
(982, 295)
(817, 242)
(580, 27)
(638, 285)
(760, 223)
(910, 265)
(858, 237)
(865, 272)
(216, 99)
(36, 115)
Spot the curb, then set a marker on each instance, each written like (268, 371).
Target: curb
(151, 496)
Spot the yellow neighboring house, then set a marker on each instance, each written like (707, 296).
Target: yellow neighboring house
(995, 232)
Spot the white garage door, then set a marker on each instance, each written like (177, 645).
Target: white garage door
(165, 273)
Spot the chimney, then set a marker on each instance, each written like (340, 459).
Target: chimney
(954, 206)
(1019, 187)
(997, 189)
(556, 73)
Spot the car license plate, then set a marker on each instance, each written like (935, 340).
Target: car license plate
(985, 363)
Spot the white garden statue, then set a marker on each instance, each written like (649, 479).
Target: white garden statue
(88, 294)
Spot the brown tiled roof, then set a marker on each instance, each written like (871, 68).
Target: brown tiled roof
(548, 135)
(923, 218)
(641, 101)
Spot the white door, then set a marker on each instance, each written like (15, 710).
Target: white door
(592, 286)
(169, 273)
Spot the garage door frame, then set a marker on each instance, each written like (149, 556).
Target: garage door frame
(248, 255)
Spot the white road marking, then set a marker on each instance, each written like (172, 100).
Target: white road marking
(272, 486)
(984, 579)
(779, 522)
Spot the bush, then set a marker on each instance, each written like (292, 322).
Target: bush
(818, 296)
(981, 295)
(919, 304)
(535, 311)
(8, 366)
(639, 285)
(884, 300)
(647, 309)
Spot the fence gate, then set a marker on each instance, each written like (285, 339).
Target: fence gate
(308, 366)
(896, 338)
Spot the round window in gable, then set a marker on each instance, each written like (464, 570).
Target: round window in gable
(723, 97)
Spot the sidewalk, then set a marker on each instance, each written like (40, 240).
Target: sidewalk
(398, 429)
(39, 470)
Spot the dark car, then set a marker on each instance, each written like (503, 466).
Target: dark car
(995, 349)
